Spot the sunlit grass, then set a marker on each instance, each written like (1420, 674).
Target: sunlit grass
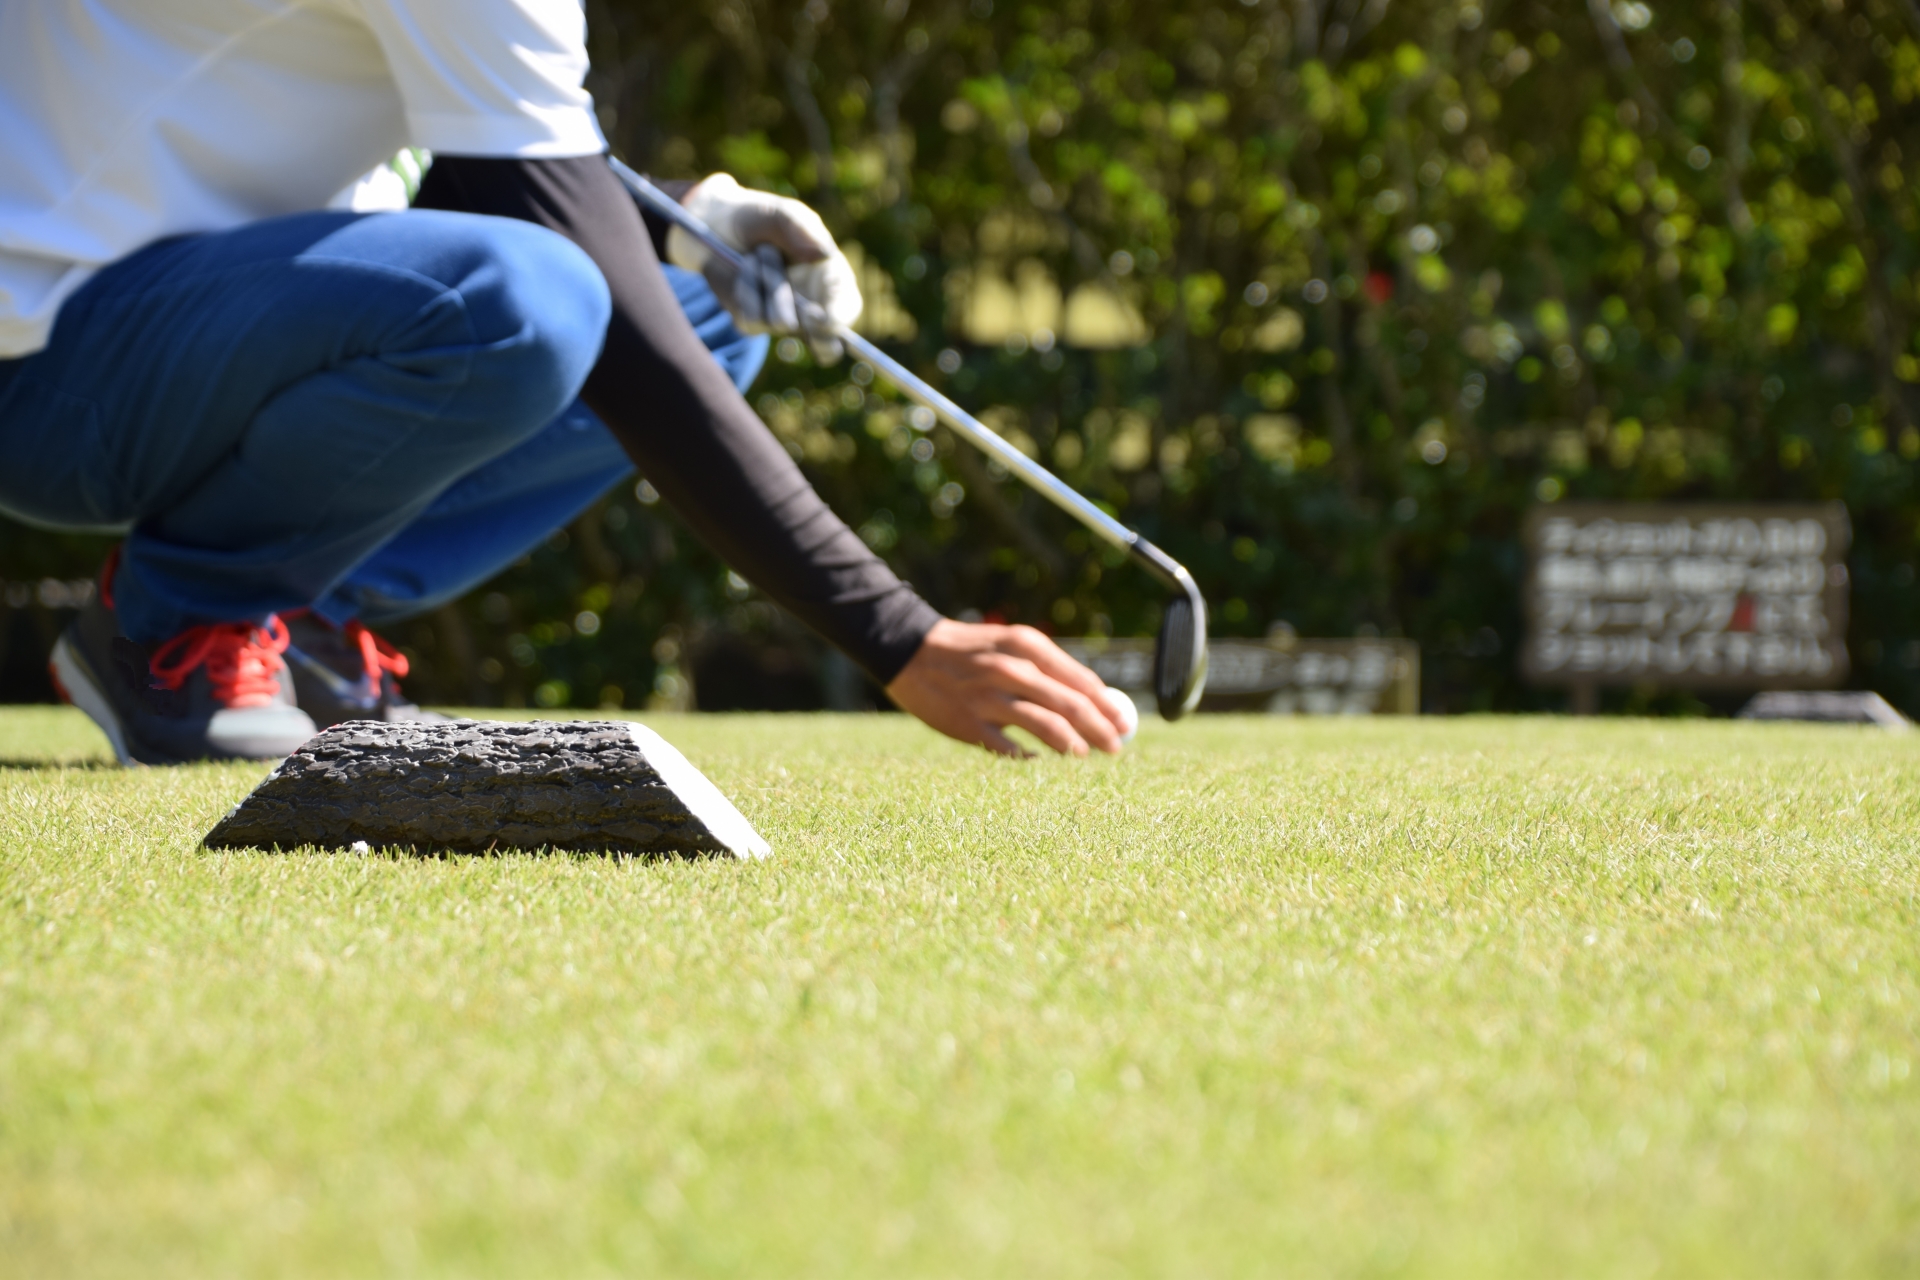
(1358, 998)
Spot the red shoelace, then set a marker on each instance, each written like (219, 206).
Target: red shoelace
(378, 655)
(242, 660)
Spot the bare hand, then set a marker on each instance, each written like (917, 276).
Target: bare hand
(972, 680)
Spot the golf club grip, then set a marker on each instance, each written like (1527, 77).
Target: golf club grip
(977, 433)
(673, 211)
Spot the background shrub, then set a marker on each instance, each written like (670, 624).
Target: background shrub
(1321, 295)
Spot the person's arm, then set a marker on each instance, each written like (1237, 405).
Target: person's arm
(505, 79)
(706, 451)
(680, 418)
(658, 227)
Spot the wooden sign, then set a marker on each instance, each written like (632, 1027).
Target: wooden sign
(1694, 596)
(1283, 676)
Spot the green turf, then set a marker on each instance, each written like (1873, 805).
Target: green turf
(1358, 998)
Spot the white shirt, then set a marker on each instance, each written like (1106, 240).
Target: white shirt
(126, 121)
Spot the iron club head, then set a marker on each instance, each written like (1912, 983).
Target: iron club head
(1180, 655)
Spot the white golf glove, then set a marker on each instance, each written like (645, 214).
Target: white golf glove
(795, 253)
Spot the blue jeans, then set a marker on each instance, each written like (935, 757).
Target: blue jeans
(366, 414)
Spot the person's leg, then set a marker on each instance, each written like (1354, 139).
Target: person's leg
(266, 406)
(491, 517)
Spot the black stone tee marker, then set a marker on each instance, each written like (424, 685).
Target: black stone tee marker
(479, 787)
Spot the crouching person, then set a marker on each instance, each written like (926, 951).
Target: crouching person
(309, 421)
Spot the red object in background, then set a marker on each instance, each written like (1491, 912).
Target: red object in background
(1380, 287)
(996, 617)
(1742, 619)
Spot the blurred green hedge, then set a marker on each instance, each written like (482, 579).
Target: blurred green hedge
(1398, 272)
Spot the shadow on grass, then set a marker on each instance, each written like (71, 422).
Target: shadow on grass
(431, 853)
(25, 765)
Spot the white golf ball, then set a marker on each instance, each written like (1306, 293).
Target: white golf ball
(1129, 714)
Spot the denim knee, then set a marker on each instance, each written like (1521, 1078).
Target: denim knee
(539, 309)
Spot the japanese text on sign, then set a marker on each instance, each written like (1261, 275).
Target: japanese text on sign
(1727, 596)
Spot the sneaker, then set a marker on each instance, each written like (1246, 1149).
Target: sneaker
(348, 673)
(210, 693)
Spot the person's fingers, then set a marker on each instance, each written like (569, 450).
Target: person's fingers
(832, 284)
(747, 218)
(831, 297)
(782, 313)
(749, 306)
(1093, 721)
(1000, 744)
(1089, 719)
(1049, 726)
(1057, 664)
(788, 225)
(1088, 712)
(966, 683)
(1038, 649)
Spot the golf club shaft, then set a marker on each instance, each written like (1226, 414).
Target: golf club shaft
(962, 423)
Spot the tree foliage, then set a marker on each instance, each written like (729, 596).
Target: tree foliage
(1400, 271)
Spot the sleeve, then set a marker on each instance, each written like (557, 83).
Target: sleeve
(490, 77)
(687, 427)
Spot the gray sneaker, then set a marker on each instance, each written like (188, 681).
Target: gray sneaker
(348, 673)
(211, 693)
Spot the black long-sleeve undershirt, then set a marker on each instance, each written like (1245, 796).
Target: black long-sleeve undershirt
(685, 424)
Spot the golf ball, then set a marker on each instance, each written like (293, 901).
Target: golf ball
(1129, 715)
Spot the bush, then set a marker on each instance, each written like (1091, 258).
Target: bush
(1321, 304)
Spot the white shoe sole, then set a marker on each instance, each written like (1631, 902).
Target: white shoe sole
(272, 732)
(77, 685)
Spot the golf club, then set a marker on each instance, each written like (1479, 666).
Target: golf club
(1180, 656)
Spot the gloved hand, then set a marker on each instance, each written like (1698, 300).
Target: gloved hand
(795, 254)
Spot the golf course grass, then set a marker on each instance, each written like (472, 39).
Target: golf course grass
(1437, 998)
